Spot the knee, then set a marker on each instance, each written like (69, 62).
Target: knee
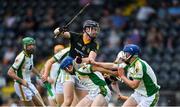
(68, 101)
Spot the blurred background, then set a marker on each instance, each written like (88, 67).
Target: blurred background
(154, 25)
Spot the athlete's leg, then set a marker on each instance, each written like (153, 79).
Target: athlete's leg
(130, 102)
(59, 99)
(78, 95)
(99, 101)
(68, 89)
(52, 102)
(23, 94)
(84, 102)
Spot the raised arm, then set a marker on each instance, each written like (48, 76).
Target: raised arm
(61, 32)
(92, 56)
(107, 65)
(47, 68)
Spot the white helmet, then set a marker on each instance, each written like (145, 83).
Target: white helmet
(120, 57)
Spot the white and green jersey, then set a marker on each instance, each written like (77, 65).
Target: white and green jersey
(53, 74)
(91, 80)
(61, 54)
(62, 75)
(23, 66)
(140, 70)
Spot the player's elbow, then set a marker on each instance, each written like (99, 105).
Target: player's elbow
(134, 85)
(50, 62)
(10, 72)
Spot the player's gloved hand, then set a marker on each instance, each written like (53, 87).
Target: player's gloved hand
(78, 60)
(60, 30)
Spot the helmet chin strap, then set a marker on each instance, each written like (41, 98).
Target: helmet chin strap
(89, 34)
(128, 59)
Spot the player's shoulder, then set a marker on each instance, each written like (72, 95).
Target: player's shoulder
(65, 50)
(138, 65)
(61, 53)
(75, 34)
(20, 55)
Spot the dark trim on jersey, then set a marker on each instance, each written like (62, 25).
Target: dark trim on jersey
(13, 68)
(19, 71)
(59, 70)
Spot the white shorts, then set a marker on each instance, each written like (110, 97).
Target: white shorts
(78, 85)
(96, 91)
(59, 88)
(24, 93)
(66, 77)
(144, 101)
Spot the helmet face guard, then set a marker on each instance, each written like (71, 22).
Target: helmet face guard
(29, 45)
(120, 57)
(91, 28)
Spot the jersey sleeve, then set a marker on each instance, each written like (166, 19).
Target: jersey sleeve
(74, 35)
(138, 75)
(58, 56)
(95, 47)
(18, 61)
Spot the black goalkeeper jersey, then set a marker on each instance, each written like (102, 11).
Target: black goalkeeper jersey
(78, 48)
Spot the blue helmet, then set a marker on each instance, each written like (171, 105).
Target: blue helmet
(66, 62)
(132, 49)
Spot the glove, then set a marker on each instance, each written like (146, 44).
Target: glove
(60, 30)
(78, 60)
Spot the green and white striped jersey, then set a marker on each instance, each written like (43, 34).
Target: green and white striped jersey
(140, 70)
(91, 80)
(23, 66)
(61, 54)
(54, 72)
(62, 76)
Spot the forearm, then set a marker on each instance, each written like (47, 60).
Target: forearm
(130, 83)
(103, 70)
(12, 74)
(47, 67)
(106, 65)
(92, 56)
